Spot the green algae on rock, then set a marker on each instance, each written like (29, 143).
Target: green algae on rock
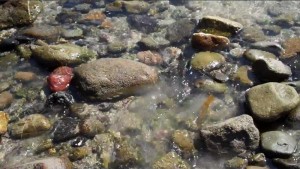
(205, 61)
(171, 160)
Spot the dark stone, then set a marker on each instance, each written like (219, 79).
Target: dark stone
(68, 16)
(8, 44)
(60, 98)
(65, 129)
(143, 23)
(105, 106)
(289, 163)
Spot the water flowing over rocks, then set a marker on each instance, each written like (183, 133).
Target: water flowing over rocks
(271, 101)
(110, 78)
(235, 134)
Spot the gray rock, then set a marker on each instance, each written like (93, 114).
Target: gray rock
(136, 7)
(253, 34)
(278, 144)
(258, 160)
(236, 134)
(206, 61)
(254, 55)
(143, 23)
(271, 101)
(65, 129)
(83, 8)
(29, 126)
(268, 46)
(19, 12)
(151, 42)
(271, 70)
(72, 33)
(271, 30)
(117, 47)
(287, 163)
(110, 78)
(180, 30)
(44, 32)
(294, 115)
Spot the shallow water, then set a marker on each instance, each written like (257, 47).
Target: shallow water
(174, 103)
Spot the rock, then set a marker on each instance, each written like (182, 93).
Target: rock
(236, 134)
(171, 161)
(183, 139)
(3, 122)
(219, 76)
(65, 129)
(253, 34)
(8, 60)
(219, 23)
(288, 163)
(136, 7)
(92, 126)
(68, 16)
(60, 78)
(128, 123)
(153, 42)
(78, 153)
(284, 20)
(256, 167)
(115, 6)
(254, 55)
(45, 32)
(210, 42)
(211, 86)
(93, 17)
(106, 145)
(271, 70)
(236, 163)
(59, 98)
(19, 13)
(271, 30)
(24, 51)
(205, 61)
(61, 54)
(268, 46)
(48, 162)
(143, 23)
(126, 154)
(29, 126)
(180, 30)
(149, 58)
(291, 47)
(4, 86)
(242, 75)
(110, 78)
(258, 160)
(72, 33)
(278, 144)
(271, 101)
(83, 110)
(83, 8)
(25, 76)
(294, 115)
(6, 98)
(117, 47)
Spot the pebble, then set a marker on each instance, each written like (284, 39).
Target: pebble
(236, 163)
(4, 86)
(211, 86)
(185, 142)
(78, 153)
(179, 30)
(72, 33)
(6, 98)
(60, 78)
(149, 58)
(289, 163)
(143, 23)
(44, 32)
(209, 42)
(136, 7)
(4, 118)
(291, 47)
(25, 76)
(205, 61)
(59, 98)
(92, 126)
(242, 75)
(65, 129)
(269, 46)
(255, 54)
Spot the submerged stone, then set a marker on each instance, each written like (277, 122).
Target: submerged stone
(268, 46)
(291, 47)
(205, 41)
(236, 163)
(205, 61)
(289, 163)
(6, 98)
(171, 161)
(136, 7)
(143, 23)
(65, 129)
(254, 55)
(180, 30)
(60, 78)
(44, 32)
(3, 122)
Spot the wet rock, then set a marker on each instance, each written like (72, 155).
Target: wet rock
(19, 12)
(236, 163)
(233, 135)
(278, 144)
(60, 78)
(254, 55)
(72, 33)
(29, 126)
(83, 8)
(25, 76)
(284, 20)
(10, 59)
(105, 144)
(149, 58)
(211, 86)
(143, 23)
(172, 161)
(43, 145)
(117, 47)
(48, 162)
(4, 86)
(256, 167)
(205, 41)
(59, 98)
(78, 153)
(219, 76)
(65, 129)
(93, 17)
(128, 123)
(78, 142)
(271, 70)
(258, 160)
(24, 51)
(294, 115)
(136, 7)
(68, 16)
(61, 54)
(253, 34)
(45, 32)
(271, 30)
(126, 153)
(205, 61)
(153, 42)
(219, 23)
(269, 46)
(243, 75)
(92, 126)
(83, 110)
(3, 122)
(115, 6)
(110, 78)
(8, 44)
(180, 30)
(6, 98)
(184, 140)
(288, 163)
(270, 101)
(291, 47)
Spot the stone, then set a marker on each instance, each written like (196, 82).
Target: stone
(126, 153)
(110, 78)
(236, 163)
(253, 34)
(211, 86)
(183, 139)
(19, 13)
(61, 55)
(60, 78)
(206, 61)
(4, 118)
(117, 47)
(254, 55)
(128, 123)
(48, 162)
(271, 101)
(136, 7)
(106, 146)
(59, 98)
(92, 126)
(236, 134)
(83, 110)
(180, 30)
(291, 47)
(289, 163)
(93, 17)
(219, 23)
(72, 33)
(256, 167)
(29, 126)
(278, 144)
(209, 42)
(44, 32)
(6, 98)
(25, 76)
(219, 76)
(78, 153)
(153, 42)
(24, 51)
(243, 75)
(83, 8)
(65, 129)
(171, 161)
(271, 70)
(143, 23)
(271, 30)
(115, 6)
(294, 115)
(149, 58)
(269, 46)
(4, 86)
(258, 160)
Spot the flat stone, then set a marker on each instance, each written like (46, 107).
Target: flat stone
(6, 99)
(149, 58)
(205, 61)
(242, 75)
(25, 76)
(278, 144)
(209, 42)
(271, 101)
(269, 46)
(136, 7)
(44, 32)
(3, 122)
(254, 54)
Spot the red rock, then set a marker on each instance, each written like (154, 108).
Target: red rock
(60, 78)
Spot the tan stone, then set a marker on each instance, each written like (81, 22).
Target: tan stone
(3, 122)
(25, 76)
(6, 99)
